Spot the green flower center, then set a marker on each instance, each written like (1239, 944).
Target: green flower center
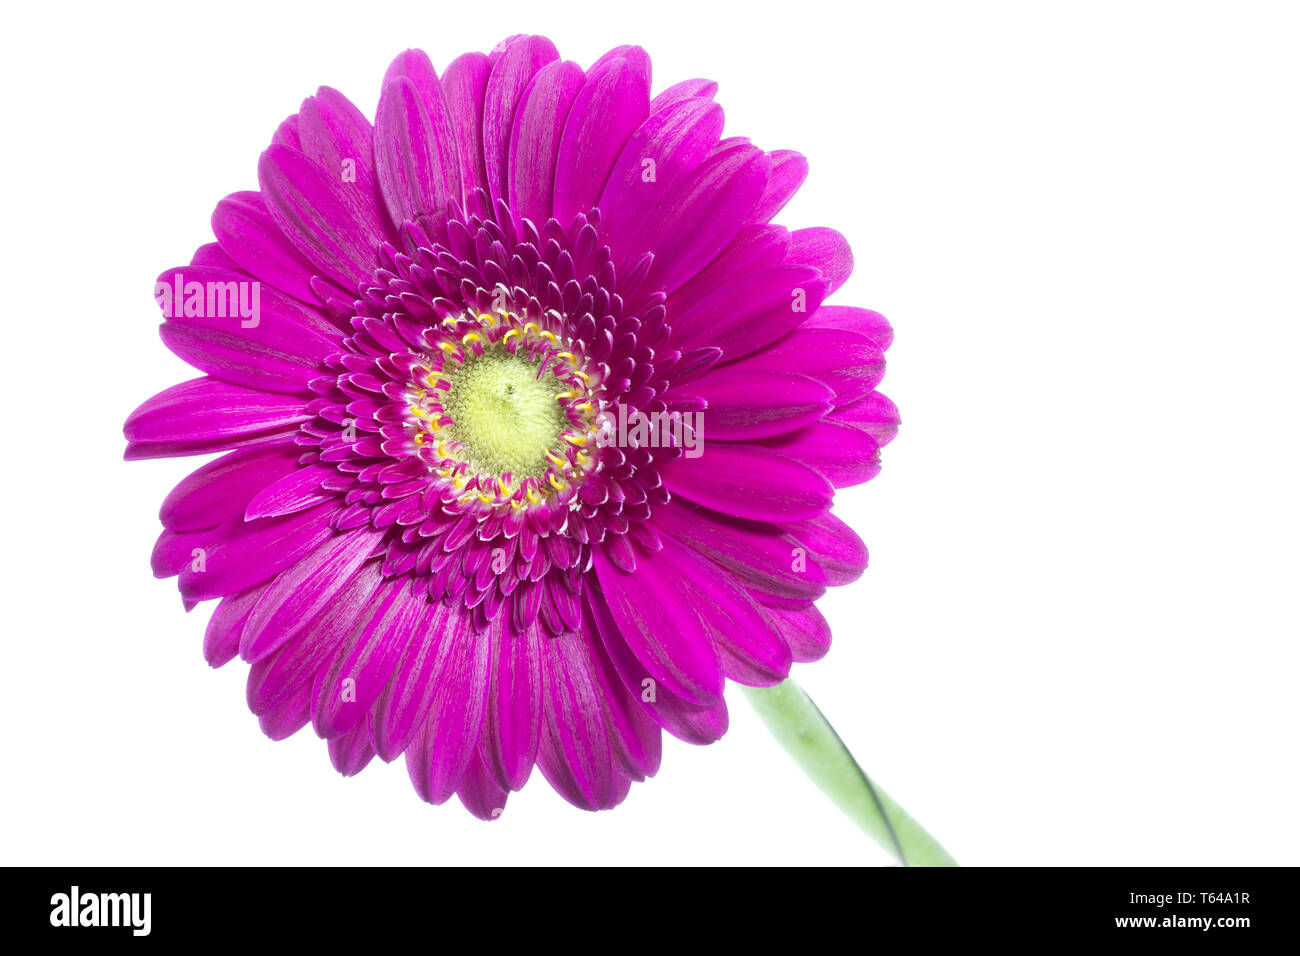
(504, 413)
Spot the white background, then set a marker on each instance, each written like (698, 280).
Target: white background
(1076, 643)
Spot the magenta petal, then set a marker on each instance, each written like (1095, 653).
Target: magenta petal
(833, 545)
(574, 754)
(221, 638)
(745, 404)
(749, 643)
(805, 630)
(851, 364)
(464, 84)
(757, 554)
(303, 591)
(754, 250)
(682, 91)
(845, 455)
(333, 130)
(440, 754)
(212, 256)
(294, 492)
(290, 717)
(419, 171)
(351, 752)
(339, 137)
(635, 55)
(875, 414)
(825, 249)
(512, 727)
(249, 235)
(286, 134)
(403, 704)
(700, 215)
(255, 552)
(175, 549)
(789, 170)
(751, 310)
(415, 66)
(273, 348)
(144, 450)
(674, 141)
(286, 316)
(444, 149)
(203, 409)
(687, 721)
(479, 792)
(662, 626)
(614, 101)
(699, 726)
(751, 482)
(634, 737)
(320, 215)
(219, 490)
(511, 73)
(363, 665)
(535, 141)
(275, 679)
(863, 321)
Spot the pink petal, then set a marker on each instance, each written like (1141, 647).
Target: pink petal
(464, 84)
(701, 214)
(751, 311)
(789, 170)
(757, 554)
(256, 552)
(833, 545)
(415, 149)
(219, 490)
(681, 91)
(614, 101)
(479, 792)
(404, 704)
(824, 249)
(674, 141)
(295, 597)
(663, 628)
(845, 455)
(510, 76)
(321, 216)
(875, 414)
(512, 727)
(204, 409)
(249, 235)
(535, 141)
(863, 321)
(751, 482)
(745, 404)
(574, 755)
(849, 363)
(440, 754)
(364, 663)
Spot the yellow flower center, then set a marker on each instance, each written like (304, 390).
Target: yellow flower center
(505, 413)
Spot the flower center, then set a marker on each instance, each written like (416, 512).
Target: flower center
(501, 410)
(505, 412)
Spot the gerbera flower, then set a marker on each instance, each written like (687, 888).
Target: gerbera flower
(532, 420)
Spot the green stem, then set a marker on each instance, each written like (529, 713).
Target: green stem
(808, 737)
